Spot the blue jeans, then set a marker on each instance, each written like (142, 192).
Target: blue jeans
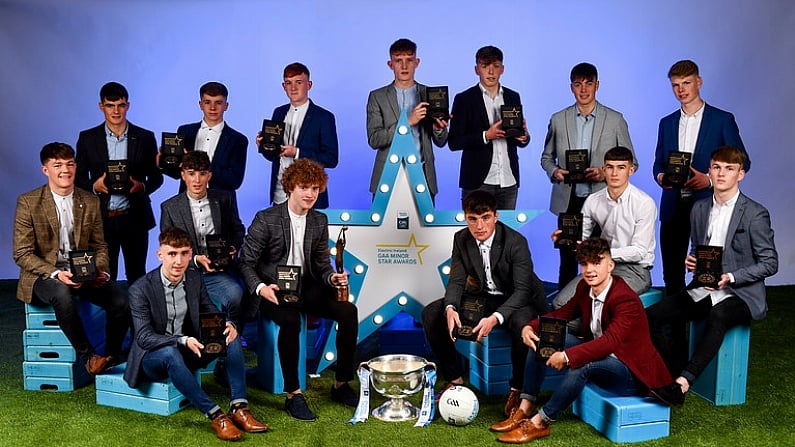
(178, 364)
(608, 372)
(225, 291)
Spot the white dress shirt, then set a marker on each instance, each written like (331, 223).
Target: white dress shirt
(207, 138)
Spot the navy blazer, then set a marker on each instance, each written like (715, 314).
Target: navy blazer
(511, 270)
(317, 140)
(749, 252)
(92, 162)
(268, 244)
(466, 134)
(718, 128)
(229, 160)
(175, 212)
(149, 316)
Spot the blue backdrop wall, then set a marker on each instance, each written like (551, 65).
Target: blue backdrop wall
(56, 55)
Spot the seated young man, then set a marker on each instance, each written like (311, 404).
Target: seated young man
(741, 226)
(294, 234)
(613, 349)
(166, 305)
(50, 222)
(493, 262)
(626, 216)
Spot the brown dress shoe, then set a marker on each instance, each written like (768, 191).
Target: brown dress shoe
(525, 432)
(512, 402)
(225, 429)
(244, 420)
(517, 416)
(97, 364)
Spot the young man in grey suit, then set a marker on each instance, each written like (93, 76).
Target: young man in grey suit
(489, 160)
(202, 212)
(491, 261)
(742, 227)
(225, 146)
(590, 125)
(383, 111)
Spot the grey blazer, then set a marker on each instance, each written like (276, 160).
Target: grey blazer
(748, 253)
(610, 130)
(382, 117)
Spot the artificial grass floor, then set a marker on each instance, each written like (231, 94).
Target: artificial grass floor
(32, 418)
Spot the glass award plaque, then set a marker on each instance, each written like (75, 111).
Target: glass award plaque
(212, 327)
(117, 178)
(576, 163)
(83, 265)
(512, 121)
(471, 312)
(272, 134)
(171, 150)
(218, 251)
(551, 336)
(343, 292)
(709, 265)
(677, 169)
(570, 226)
(438, 102)
(288, 278)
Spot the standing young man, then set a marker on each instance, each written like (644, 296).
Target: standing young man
(225, 146)
(626, 216)
(127, 217)
(587, 124)
(488, 159)
(384, 106)
(612, 350)
(699, 129)
(310, 132)
(50, 222)
(742, 227)
(492, 261)
(293, 234)
(166, 306)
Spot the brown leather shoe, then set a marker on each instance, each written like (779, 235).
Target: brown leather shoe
(244, 420)
(225, 429)
(517, 416)
(97, 364)
(525, 432)
(512, 402)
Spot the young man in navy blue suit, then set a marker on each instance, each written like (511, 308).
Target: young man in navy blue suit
(225, 146)
(742, 227)
(699, 129)
(127, 216)
(488, 159)
(311, 132)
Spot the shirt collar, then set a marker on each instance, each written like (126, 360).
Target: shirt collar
(592, 114)
(487, 243)
(602, 296)
(217, 128)
(729, 202)
(486, 92)
(167, 283)
(109, 133)
(697, 113)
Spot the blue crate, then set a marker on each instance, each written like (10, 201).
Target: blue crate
(269, 370)
(651, 296)
(490, 373)
(622, 419)
(57, 376)
(401, 330)
(44, 337)
(142, 404)
(42, 320)
(161, 398)
(493, 356)
(488, 388)
(59, 384)
(50, 354)
(724, 380)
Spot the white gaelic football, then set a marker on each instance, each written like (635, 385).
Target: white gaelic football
(458, 405)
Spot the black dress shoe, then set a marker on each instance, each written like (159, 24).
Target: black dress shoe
(297, 408)
(345, 395)
(670, 394)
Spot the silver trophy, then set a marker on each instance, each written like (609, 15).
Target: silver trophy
(397, 376)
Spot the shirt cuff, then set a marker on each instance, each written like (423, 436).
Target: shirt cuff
(259, 287)
(499, 317)
(485, 140)
(54, 274)
(566, 356)
(183, 340)
(731, 278)
(297, 153)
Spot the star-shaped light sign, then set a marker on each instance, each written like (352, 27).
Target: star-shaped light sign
(398, 251)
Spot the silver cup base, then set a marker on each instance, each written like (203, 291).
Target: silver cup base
(396, 410)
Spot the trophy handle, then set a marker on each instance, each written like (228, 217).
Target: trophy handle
(364, 365)
(430, 366)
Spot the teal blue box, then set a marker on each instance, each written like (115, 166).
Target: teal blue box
(50, 354)
(43, 320)
(651, 296)
(493, 356)
(724, 380)
(622, 419)
(59, 384)
(161, 398)
(498, 338)
(490, 373)
(488, 388)
(142, 404)
(44, 337)
(269, 369)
